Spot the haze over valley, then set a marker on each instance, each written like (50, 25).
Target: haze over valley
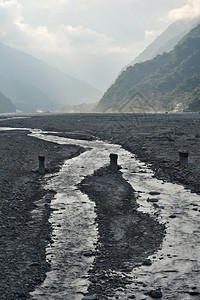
(44, 70)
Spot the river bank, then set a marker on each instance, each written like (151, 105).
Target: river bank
(23, 238)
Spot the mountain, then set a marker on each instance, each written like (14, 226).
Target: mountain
(6, 106)
(170, 81)
(83, 108)
(167, 40)
(34, 85)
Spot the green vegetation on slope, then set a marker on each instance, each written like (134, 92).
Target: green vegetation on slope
(170, 81)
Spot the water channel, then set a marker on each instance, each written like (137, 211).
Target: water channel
(175, 267)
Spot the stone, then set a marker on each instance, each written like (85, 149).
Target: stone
(147, 262)
(88, 253)
(153, 200)
(48, 200)
(20, 296)
(153, 193)
(172, 216)
(90, 297)
(194, 293)
(156, 294)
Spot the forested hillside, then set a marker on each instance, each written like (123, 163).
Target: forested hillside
(170, 81)
(167, 40)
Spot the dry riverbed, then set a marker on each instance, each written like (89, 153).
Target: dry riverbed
(155, 139)
(126, 236)
(23, 238)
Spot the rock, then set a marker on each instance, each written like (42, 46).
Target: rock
(154, 193)
(88, 253)
(156, 294)
(20, 296)
(48, 200)
(172, 216)
(153, 200)
(194, 293)
(90, 297)
(147, 262)
(34, 264)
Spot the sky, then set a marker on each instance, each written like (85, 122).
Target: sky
(91, 40)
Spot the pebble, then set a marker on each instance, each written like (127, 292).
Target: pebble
(156, 294)
(20, 296)
(88, 253)
(48, 200)
(153, 200)
(90, 297)
(147, 262)
(172, 216)
(154, 193)
(194, 293)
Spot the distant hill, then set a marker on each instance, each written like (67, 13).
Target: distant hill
(170, 81)
(6, 106)
(167, 40)
(32, 84)
(83, 108)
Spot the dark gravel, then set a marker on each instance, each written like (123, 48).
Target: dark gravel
(154, 139)
(23, 238)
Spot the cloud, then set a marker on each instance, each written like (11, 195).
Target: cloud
(62, 40)
(190, 10)
(151, 35)
(10, 12)
(84, 37)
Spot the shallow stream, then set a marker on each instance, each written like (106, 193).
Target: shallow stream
(175, 267)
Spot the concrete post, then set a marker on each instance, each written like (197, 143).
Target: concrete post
(41, 164)
(183, 158)
(113, 162)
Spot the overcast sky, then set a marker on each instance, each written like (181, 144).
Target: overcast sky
(89, 39)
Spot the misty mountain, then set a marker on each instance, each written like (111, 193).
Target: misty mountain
(170, 81)
(33, 84)
(6, 106)
(83, 108)
(167, 40)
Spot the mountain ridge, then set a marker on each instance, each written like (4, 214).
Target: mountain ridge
(167, 40)
(167, 81)
(51, 87)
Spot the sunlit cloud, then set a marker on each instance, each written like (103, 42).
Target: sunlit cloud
(188, 11)
(10, 12)
(84, 37)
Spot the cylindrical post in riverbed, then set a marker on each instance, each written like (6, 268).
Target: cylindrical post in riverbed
(183, 158)
(113, 162)
(41, 164)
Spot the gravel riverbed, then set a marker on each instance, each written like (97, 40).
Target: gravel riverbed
(23, 238)
(154, 139)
